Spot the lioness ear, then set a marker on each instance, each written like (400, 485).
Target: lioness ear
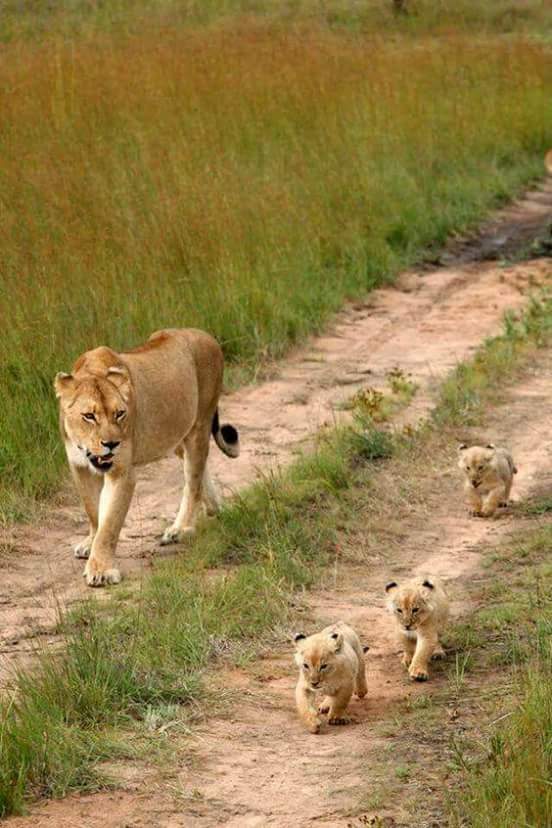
(391, 585)
(463, 447)
(338, 638)
(120, 379)
(299, 637)
(428, 584)
(62, 382)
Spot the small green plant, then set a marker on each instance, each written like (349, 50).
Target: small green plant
(401, 383)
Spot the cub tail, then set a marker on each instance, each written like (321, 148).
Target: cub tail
(226, 437)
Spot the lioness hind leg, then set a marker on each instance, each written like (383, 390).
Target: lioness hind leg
(195, 459)
(211, 496)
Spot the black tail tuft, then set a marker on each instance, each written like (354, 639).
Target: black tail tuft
(226, 437)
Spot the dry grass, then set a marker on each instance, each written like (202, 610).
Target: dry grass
(245, 180)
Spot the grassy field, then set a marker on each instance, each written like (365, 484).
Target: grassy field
(33, 18)
(136, 656)
(245, 176)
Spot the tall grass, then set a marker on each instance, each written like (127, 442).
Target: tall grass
(245, 180)
(35, 18)
(512, 785)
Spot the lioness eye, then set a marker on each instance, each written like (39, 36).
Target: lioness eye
(399, 610)
(90, 417)
(415, 609)
(306, 666)
(323, 666)
(119, 415)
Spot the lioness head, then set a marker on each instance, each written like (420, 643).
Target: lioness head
(411, 604)
(475, 462)
(94, 412)
(316, 656)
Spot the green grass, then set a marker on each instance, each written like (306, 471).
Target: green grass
(245, 179)
(506, 778)
(463, 396)
(70, 18)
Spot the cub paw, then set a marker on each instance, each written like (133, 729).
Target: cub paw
(97, 577)
(174, 535)
(418, 674)
(438, 654)
(324, 709)
(314, 727)
(339, 720)
(82, 549)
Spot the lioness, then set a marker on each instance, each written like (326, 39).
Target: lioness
(119, 411)
(330, 662)
(421, 609)
(489, 474)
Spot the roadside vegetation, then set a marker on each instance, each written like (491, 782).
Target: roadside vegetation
(140, 655)
(245, 176)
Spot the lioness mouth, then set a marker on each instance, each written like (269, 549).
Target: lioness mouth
(475, 485)
(102, 463)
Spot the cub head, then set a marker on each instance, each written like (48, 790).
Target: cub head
(475, 462)
(95, 416)
(411, 604)
(316, 656)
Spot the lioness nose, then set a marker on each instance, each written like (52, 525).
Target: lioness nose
(110, 444)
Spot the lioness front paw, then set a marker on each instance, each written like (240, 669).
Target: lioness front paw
(82, 549)
(339, 720)
(97, 576)
(418, 674)
(175, 535)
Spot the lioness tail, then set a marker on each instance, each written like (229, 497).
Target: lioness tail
(226, 437)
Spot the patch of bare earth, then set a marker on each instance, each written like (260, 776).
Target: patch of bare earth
(255, 765)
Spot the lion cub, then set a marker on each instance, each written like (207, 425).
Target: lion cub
(330, 662)
(489, 473)
(421, 611)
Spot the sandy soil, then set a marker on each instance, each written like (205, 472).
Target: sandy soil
(256, 766)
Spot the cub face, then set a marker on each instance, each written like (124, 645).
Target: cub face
(94, 416)
(411, 605)
(316, 657)
(475, 462)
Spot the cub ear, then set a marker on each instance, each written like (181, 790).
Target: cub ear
(338, 638)
(428, 584)
(63, 382)
(462, 447)
(299, 637)
(391, 585)
(121, 380)
(491, 446)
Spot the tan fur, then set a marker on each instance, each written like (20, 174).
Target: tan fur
(489, 474)
(330, 662)
(548, 161)
(420, 608)
(123, 410)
